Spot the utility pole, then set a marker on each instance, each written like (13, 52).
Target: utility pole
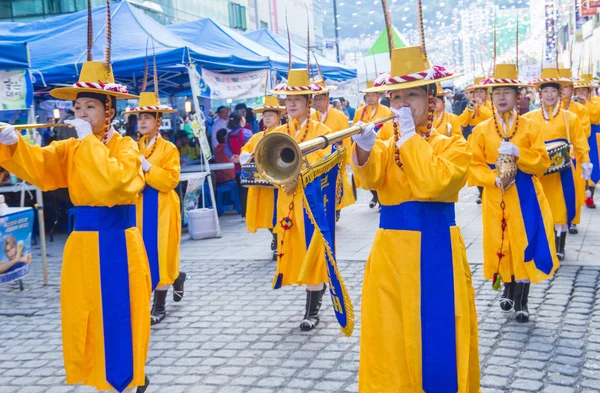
(337, 35)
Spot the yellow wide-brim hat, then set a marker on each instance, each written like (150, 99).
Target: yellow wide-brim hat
(551, 75)
(369, 85)
(586, 81)
(149, 102)
(505, 75)
(94, 78)
(298, 84)
(409, 68)
(270, 103)
(476, 84)
(326, 88)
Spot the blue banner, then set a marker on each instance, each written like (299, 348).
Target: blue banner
(15, 236)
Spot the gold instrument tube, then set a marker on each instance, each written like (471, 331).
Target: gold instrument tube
(29, 126)
(278, 156)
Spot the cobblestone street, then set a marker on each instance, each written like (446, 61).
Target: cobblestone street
(232, 333)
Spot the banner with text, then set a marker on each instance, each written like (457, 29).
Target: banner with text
(16, 90)
(236, 86)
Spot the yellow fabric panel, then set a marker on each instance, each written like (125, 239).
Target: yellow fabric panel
(294, 265)
(534, 160)
(381, 112)
(474, 117)
(260, 205)
(593, 107)
(433, 170)
(448, 124)
(584, 117)
(166, 167)
(81, 307)
(391, 316)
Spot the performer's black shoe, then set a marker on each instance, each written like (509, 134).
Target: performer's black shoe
(373, 203)
(314, 300)
(142, 389)
(337, 215)
(507, 299)
(178, 287)
(274, 243)
(158, 312)
(478, 200)
(573, 229)
(521, 293)
(560, 245)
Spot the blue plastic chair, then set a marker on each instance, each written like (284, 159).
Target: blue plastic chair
(228, 197)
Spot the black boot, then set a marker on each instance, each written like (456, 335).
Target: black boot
(560, 251)
(521, 293)
(337, 215)
(313, 304)
(158, 312)
(478, 200)
(507, 299)
(178, 287)
(274, 243)
(142, 389)
(374, 199)
(573, 229)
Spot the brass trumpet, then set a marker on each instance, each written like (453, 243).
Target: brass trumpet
(278, 156)
(29, 126)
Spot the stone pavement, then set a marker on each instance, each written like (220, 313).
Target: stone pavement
(232, 333)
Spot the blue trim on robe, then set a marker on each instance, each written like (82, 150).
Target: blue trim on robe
(438, 329)
(150, 231)
(537, 248)
(275, 207)
(568, 186)
(111, 223)
(594, 159)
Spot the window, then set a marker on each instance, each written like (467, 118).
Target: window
(264, 25)
(237, 16)
(27, 8)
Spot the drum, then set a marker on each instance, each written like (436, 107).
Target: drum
(250, 177)
(560, 157)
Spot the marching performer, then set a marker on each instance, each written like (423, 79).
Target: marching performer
(582, 113)
(419, 324)
(521, 252)
(158, 208)
(445, 123)
(372, 111)
(260, 209)
(563, 127)
(335, 120)
(105, 283)
(584, 95)
(296, 263)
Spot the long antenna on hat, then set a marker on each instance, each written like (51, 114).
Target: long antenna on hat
(421, 28)
(318, 67)
(145, 80)
(90, 32)
(108, 38)
(495, 49)
(287, 27)
(308, 42)
(155, 76)
(388, 26)
(375, 66)
(517, 42)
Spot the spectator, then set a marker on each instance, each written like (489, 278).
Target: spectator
(178, 122)
(236, 139)
(385, 101)
(187, 151)
(219, 123)
(64, 132)
(524, 102)
(347, 109)
(187, 127)
(131, 126)
(47, 133)
(243, 109)
(251, 119)
(221, 158)
(337, 104)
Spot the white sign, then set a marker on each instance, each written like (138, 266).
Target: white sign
(236, 86)
(13, 90)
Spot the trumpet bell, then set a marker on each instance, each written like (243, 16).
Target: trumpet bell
(278, 158)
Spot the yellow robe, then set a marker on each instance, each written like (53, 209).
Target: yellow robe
(391, 344)
(476, 116)
(336, 120)
(552, 130)
(98, 177)
(593, 107)
(448, 123)
(296, 263)
(260, 207)
(540, 262)
(381, 112)
(163, 237)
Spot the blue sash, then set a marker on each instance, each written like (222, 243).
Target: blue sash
(150, 231)
(111, 223)
(538, 248)
(594, 159)
(438, 330)
(568, 187)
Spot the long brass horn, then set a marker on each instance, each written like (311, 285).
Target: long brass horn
(30, 126)
(278, 156)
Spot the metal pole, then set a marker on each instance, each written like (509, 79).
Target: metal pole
(337, 34)
(256, 14)
(42, 227)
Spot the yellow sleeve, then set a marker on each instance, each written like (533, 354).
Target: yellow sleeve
(579, 140)
(165, 177)
(484, 113)
(357, 114)
(433, 174)
(465, 117)
(455, 123)
(322, 129)
(480, 174)
(584, 118)
(533, 159)
(114, 178)
(44, 167)
(593, 108)
(251, 144)
(386, 132)
(372, 174)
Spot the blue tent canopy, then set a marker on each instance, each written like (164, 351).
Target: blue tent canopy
(276, 43)
(211, 35)
(58, 46)
(14, 56)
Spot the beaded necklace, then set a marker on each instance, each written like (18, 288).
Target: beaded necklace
(107, 107)
(567, 103)
(143, 144)
(547, 114)
(502, 134)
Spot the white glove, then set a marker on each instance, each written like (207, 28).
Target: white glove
(508, 148)
(498, 182)
(145, 164)
(9, 136)
(245, 158)
(82, 127)
(406, 123)
(366, 138)
(586, 170)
